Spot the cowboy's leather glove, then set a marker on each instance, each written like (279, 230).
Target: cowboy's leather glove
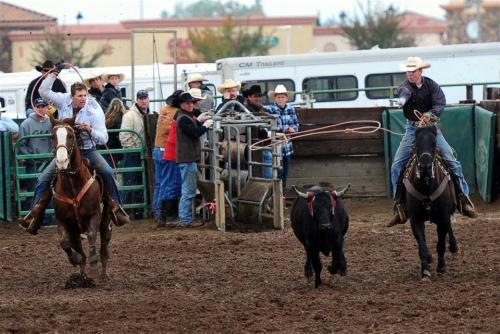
(208, 123)
(281, 136)
(204, 116)
(428, 118)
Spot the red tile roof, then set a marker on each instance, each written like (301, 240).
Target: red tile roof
(15, 16)
(217, 21)
(414, 23)
(77, 31)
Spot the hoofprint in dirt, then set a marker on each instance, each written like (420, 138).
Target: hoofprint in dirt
(201, 280)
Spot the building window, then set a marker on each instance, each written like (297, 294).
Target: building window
(383, 80)
(331, 83)
(269, 86)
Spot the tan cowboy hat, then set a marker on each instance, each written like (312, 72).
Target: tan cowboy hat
(413, 64)
(196, 93)
(228, 83)
(92, 75)
(106, 76)
(280, 89)
(194, 77)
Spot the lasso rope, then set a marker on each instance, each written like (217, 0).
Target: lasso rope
(366, 129)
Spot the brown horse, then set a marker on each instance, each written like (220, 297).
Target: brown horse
(79, 207)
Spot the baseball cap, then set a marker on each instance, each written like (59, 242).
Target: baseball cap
(39, 101)
(142, 94)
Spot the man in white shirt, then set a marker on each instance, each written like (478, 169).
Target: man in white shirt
(90, 122)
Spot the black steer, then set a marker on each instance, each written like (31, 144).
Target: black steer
(319, 220)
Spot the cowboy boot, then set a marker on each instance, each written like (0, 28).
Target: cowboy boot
(32, 222)
(172, 212)
(162, 217)
(467, 207)
(118, 214)
(400, 216)
(464, 204)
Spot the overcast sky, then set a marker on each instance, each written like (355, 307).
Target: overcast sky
(113, 11)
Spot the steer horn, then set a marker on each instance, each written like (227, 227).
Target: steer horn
(300, 194)
(342, 192)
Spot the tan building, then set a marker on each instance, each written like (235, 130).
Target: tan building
(427, 31)
(13, 18)
(288, 34)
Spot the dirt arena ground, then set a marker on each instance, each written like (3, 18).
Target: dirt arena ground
(204, 281)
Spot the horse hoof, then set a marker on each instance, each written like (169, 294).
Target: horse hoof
(75, 259)
(426, 276)
(93, 272)
(441, 270)
(426, 279)
(453, 249)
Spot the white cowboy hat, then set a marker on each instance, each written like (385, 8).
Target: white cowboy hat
(280, 89)
(413, 64)
(91, 75)
(106, 76)
(196, 93)
(228, 83)
(194, 77)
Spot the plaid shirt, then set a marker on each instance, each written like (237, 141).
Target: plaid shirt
(287, 119)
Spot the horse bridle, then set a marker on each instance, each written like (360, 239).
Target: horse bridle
(69, 150)
(433, 160)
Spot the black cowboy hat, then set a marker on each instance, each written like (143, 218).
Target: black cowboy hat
(170, 99)
(46, 66)
(183, 97)
(253, 90)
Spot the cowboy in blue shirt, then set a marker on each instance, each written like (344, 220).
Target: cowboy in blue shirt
(422, 94)
(90, 121)
(287, 123)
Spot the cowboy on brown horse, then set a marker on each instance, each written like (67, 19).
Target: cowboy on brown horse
(89, 120)
(80, 205)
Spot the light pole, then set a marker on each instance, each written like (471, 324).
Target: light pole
(288, 29)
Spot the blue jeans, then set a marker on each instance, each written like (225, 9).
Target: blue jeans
(403, 154)
(167, 180)
(159, 174)
(283, 175)
(189, 175)
(267, 158)
(96, 161)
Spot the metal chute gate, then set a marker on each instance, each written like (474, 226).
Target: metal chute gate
(232, 171)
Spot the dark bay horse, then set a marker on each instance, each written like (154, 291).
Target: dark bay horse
(78, 204)
(430, 196)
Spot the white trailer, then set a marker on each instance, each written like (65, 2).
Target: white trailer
(359, 70)
(157, 78)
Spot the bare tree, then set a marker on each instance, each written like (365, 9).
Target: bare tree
(228, 41)
(58, 45)
(377, 26)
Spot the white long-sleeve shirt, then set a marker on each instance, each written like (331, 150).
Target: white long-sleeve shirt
(90, 114)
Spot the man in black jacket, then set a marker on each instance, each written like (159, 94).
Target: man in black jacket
(421, 95)
(35, 84)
